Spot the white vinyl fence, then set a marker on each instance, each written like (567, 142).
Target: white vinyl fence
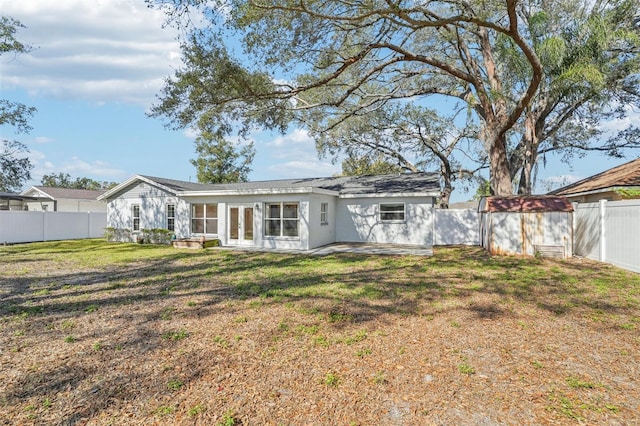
(22, 227)
(456, 226)
(609, 231)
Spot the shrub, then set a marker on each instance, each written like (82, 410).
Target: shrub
(117, 235)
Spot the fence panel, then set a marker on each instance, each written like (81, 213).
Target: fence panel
(586, 230)
(622, 234)
(452, 227)
(24, 227)
(609, 231)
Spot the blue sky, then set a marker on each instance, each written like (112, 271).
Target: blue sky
(96, 69)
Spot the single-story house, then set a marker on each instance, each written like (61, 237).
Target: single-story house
(282, 214)
(535, 225)
(64, 199)
(13, 201)
(619, 183)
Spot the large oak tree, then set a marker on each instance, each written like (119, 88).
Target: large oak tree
(316, 64)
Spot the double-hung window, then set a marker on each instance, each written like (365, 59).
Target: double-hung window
(324, 214)
(281, 219)
(135, 214)
(204, 218)
(171, 217)
(392, 212)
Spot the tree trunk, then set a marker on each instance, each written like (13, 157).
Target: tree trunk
(500, 177)
(447, 188)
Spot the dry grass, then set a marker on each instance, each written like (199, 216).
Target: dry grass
(96, 333)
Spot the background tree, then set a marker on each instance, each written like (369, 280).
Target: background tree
(221, 161)
(590, 55)
(315, 64)
(64, 180)
(412, 137)
(15, 166)
(370, 165)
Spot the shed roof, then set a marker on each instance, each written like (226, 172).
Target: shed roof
(624, 175)
(524, 204)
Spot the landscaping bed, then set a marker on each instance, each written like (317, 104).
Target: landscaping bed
(105, 333)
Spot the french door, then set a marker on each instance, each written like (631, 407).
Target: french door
(240, 225)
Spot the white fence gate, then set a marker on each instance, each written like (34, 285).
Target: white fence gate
(609, 231)
(23, 227)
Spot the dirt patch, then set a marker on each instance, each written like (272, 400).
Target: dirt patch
(242, 338)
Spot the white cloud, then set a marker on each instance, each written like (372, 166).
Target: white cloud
(43, 139)
(75, 167)
(101, 50)
(616, 125)
(296, 138)
(555, 182)
(303, 169)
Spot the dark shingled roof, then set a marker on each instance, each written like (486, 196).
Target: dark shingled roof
(344, 185)
(624, 175)
(526, 204)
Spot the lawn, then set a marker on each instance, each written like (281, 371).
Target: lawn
(99, 333)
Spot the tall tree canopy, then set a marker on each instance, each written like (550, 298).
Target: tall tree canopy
(590, 56)
(318, 63)
(322, 65)
(221, 161)
(15, 166)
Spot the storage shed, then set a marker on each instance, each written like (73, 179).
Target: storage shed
(527, 225)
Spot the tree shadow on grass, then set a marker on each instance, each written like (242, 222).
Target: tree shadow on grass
(357, 287)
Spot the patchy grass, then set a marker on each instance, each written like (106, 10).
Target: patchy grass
(134, 334)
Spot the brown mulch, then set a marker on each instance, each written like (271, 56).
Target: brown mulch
(131, 346)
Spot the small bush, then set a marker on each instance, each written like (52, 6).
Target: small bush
(117, 235)
(157, 236)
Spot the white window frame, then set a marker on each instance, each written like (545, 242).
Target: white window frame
(281, 219)
(204, 219)
(135, 219)
(171, 218)
(383, 215)
(324, 213)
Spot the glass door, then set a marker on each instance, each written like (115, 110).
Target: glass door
(240, 224)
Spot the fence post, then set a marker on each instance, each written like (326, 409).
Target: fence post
(603, 231)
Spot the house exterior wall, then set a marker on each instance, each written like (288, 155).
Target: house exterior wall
(153, 211)
(595, 197)
(358, 220)
(67, 205)
(349, 219)
(257, 202)
(321, 234)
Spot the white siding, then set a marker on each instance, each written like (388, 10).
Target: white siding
(357, 220)
(322, 234)
(153, 210)
(68, 205)
(257, 201)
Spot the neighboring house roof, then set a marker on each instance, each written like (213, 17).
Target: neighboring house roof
(63, 193)
(14, 196)
(623, 176)
(426, 184)
(525, 204)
